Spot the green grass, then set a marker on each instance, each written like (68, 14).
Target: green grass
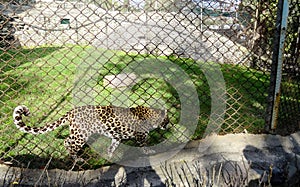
(47, 80)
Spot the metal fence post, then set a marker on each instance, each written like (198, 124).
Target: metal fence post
(277, 61)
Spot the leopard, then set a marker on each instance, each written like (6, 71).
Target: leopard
(116, 123)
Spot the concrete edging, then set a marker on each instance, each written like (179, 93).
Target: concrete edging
(250, 157)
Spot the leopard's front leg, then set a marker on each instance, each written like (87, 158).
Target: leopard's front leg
(141, 138)
(113, 146)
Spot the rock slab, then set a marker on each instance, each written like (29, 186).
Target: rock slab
(233, 159)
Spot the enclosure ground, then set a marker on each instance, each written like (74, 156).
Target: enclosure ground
(50, 82)
(238, 159)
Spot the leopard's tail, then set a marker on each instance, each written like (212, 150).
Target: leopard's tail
(18, 121)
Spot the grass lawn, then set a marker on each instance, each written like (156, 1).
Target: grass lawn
(49, 80)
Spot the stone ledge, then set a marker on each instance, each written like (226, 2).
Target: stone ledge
(241, 158)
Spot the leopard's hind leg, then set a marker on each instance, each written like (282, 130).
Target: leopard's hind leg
(73, 144)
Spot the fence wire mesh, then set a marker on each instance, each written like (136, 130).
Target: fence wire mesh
(289, 110)
(59, 54)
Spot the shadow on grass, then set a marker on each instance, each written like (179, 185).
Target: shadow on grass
(246, 89)
(32, 161)
(11, 84)
(289, 106)
(11, 59)
(251, 84)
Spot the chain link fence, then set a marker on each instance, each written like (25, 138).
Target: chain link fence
(289, 110)
(59, 54)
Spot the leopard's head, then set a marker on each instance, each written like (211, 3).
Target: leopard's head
(156, 118)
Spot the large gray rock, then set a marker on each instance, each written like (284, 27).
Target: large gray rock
(234, 159)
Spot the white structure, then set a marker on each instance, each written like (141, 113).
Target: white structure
(222, 5)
